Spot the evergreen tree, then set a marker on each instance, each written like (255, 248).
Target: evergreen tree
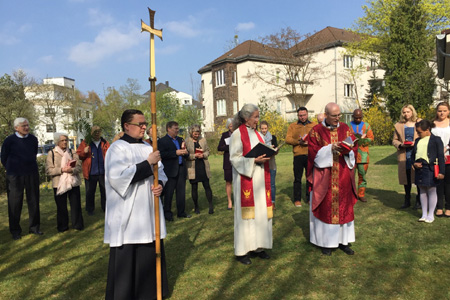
(376, 89)
(409, 78)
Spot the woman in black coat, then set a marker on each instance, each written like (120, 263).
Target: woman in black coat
(224, 145)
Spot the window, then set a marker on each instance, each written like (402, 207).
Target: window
(220, 78)
(373, 64)
(203, 87)
(51, 128)
(49, 111)
(221, 107)
(235, 107)
(348, 61)
(278, 106)
(348, 90)
(87, 114)
(234, 79)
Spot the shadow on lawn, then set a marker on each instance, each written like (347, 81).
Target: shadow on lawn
(84, 270)
(393, 199)
(388, 160)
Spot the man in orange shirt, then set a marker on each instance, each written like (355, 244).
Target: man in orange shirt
(296, 136)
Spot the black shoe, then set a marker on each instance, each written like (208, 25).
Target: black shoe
(244, 260)
(185, 216)
(347, 250)
(261, 254)
(211, 211)
(197, 211)
(37, 232)
(405, 205)
(418, 205)
(326, 251)
(16, 237)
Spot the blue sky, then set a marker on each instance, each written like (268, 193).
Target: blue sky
(99, 44)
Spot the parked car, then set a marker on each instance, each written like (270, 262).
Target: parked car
(43, 149)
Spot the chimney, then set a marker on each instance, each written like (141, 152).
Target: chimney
(167, 83)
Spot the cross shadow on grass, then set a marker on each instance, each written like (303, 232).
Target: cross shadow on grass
(388, 160)
(392, 199)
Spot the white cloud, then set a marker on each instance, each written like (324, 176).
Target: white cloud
(168, 50)
(108, 42)
(46, 59)
(184, 28)
(98, 18)
(7, 39)
(245, 26)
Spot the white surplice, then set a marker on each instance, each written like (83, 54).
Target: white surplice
(249, 235)
(130, 210)
(324, 234)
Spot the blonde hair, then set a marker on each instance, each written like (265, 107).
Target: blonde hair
(414, 113)
(194, 128)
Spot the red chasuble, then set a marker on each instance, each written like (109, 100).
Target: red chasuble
(333, 189)
(247, 195)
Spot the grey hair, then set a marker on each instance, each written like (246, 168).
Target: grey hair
(229, 121)
(57, 136)
(19, 121)
(194, 128)
(246, 112)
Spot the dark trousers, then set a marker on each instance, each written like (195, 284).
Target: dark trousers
(91, 188)
(408, 187)
(132, 272)
(177, 183)
(15, 186)
(300, 164)
(62, 214)
(443, 191)
(194, 192)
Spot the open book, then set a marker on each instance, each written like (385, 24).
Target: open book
(348, 144)
(261, 149)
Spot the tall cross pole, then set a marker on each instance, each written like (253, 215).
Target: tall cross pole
(152, 79)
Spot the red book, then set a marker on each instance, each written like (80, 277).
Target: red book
(72, 163)
(198, 150)
(408, 143)
(447, 159)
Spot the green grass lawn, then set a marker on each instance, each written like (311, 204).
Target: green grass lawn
(396, 257)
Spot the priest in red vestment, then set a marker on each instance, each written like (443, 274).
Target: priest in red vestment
(331, 162)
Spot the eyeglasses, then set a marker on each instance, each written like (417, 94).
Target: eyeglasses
(141, 125)
(335, 116)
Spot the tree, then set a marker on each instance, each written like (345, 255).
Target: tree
(108, 113)
(188, 116)
(376, 89)
(13, 104)
(294, 69)
(130, 93)
(409, 78)
(400, 35)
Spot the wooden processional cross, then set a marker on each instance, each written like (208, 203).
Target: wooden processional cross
(152, 79)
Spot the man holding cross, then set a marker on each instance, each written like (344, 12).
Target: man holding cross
(130, 213)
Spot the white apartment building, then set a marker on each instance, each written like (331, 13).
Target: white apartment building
(58, 110)
(227, 86)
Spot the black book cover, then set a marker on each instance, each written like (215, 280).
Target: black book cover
(259, 150)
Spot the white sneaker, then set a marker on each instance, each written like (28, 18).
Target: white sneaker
(422, 220)
(429, 221)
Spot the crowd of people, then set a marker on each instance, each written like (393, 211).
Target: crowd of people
(329, 152)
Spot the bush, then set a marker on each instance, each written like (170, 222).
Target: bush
(381, 124)
(41, 168)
